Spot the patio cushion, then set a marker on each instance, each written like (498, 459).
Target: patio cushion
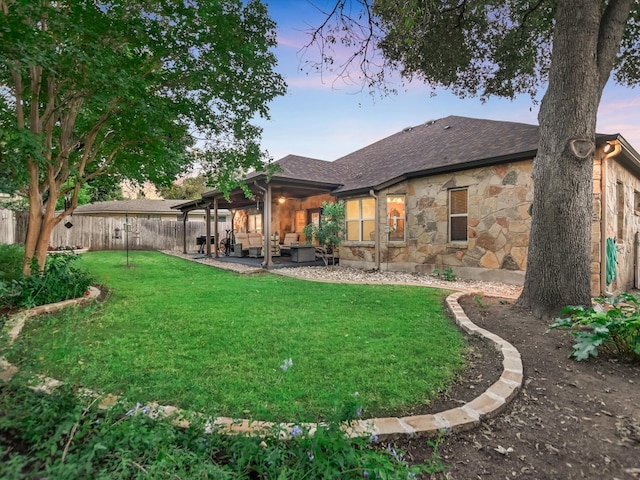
(255, 240)
(249, 240)
(289, 238)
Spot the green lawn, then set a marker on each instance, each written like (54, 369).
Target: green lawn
(193, 336)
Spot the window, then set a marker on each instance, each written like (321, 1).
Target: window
(255, 223)
(360, 216)
(458, 208)
(395, 217)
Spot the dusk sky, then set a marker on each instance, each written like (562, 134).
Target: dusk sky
(321, 119)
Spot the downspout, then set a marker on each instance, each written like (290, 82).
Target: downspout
(377, 231)
(603, 213)
(266, 245)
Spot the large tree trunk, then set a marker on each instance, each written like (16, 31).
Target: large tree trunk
(42, 221)
(559, 258)
(35, 220)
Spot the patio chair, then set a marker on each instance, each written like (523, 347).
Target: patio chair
(285, 246)
(245, 241)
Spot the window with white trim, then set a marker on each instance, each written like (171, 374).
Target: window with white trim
(458, 214)
(360, 219)
(395, 217)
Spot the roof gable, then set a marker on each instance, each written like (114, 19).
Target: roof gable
(450, 142)
(294, 167)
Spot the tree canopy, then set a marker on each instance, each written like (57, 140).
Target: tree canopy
(471, 47)
(128, 88)
(506, 48)
(188, 188)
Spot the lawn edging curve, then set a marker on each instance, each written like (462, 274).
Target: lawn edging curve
(16, 322)
(489, 404)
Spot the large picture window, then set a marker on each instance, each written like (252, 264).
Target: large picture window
(395, 217)
(360, 215)
(458, 214)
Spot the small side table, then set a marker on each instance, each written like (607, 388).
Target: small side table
(255, 252)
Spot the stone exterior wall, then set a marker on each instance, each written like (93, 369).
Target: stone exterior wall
(498, 226)
(622, 222)
(596, 231)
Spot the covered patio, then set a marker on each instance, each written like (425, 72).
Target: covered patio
(269, 207)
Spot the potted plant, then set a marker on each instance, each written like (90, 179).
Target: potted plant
(328, 235)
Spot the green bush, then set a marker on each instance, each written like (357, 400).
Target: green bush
(11, 262)
(61, 436)
(612, 327)
(10, 273)
(61, 280)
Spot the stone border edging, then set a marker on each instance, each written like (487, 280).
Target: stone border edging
(489, 404)
(14, 325)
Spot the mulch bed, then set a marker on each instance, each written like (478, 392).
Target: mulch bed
(571, 420)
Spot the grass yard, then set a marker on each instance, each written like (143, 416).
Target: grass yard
(196, 337)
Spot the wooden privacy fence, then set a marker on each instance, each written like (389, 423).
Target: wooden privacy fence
(107, 233)
(7, 227)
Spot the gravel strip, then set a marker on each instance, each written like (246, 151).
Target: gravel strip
(354, 275)
(340, 274)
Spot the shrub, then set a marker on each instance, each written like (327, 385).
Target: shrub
(612, 327)
(61, 280)
(11, 257)
(330, 231)
(10, 273)
(63, 436)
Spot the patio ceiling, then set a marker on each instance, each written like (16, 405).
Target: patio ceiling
(279, 188)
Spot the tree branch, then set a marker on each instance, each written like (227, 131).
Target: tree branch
(17, 82)
(612, 27)
(34, 115)
(342, 28)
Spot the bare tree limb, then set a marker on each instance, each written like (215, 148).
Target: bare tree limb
(612, 26)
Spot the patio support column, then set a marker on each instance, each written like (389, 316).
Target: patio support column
(376, 246)
(267, 228)
(185, 215)
(207, 239)
(266, 224)
(216, 237)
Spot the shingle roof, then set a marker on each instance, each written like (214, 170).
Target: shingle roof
(295, 167)
(449, 142)
(142, 205)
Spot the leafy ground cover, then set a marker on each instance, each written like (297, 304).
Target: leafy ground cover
(261, 346)
(61, 280)
(63, 436)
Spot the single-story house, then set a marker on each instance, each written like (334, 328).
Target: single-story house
(450, 193)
